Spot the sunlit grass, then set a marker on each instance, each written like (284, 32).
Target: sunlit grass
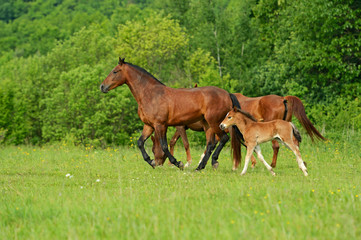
(61, 191)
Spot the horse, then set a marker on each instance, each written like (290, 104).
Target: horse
(160, 106)
(255, 133)
(264, 109)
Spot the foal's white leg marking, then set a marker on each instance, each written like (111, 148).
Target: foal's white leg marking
(248, 157)
(189, 163)
(299, 160)
(257, 149)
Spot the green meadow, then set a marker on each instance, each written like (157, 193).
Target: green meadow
(65, 192)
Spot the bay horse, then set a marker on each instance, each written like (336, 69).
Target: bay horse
(160, 106)
(264, 109)
(255, 133)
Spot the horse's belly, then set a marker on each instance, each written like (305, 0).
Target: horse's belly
(184, 118)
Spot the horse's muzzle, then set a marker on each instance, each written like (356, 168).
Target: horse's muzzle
(222, 126)
(104, 88)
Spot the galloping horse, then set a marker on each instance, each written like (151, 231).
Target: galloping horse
(264, 109)
(160, 106)
(255, 133)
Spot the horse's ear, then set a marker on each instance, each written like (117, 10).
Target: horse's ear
(121, 61)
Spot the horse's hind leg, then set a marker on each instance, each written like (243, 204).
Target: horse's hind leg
(183, 134)
(174, 140)
(223, 140)
(257, 149)
(276, 147)
(211, 144)
(147, 131)
(299, 160)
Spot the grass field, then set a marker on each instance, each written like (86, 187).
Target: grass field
(60, 191)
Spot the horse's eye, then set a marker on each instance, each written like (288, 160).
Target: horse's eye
(115, 72)
(229, 117)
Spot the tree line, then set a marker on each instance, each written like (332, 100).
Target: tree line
(55, 53)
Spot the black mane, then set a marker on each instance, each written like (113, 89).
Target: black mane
(144, 71)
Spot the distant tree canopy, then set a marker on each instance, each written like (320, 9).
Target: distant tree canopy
(54, 54)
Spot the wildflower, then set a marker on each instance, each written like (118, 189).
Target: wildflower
(67, 175)
(98, 180)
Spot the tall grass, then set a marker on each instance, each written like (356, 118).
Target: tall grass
(60, 191)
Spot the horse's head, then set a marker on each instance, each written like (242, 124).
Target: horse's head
(115, 78)
(229, 120)
(159, 155)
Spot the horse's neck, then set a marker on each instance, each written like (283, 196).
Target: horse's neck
(243, 122)
(141, 84)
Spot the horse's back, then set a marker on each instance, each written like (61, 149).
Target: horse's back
(195, 104)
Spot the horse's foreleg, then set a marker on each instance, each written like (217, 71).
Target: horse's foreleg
(250, 149)
(276, 147)
(211, 144)
(161, 131)
(257, 149)
(147, 131)
(223, 140)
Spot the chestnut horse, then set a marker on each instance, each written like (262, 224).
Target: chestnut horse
(255, 133)
(264, 109)
(160, 106)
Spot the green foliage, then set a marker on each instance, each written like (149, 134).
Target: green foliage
(342, 114)
(54, 54)
(153, 43)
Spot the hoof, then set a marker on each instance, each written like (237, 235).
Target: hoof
(152, 163)
(215, 166)
(273, 165)
(273, 173)
(187, 164)
(181, 166)
(253, 165)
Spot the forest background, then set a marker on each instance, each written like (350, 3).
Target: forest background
(54, 54)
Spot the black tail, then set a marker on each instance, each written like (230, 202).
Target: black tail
(236, 136)
(236, 104)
